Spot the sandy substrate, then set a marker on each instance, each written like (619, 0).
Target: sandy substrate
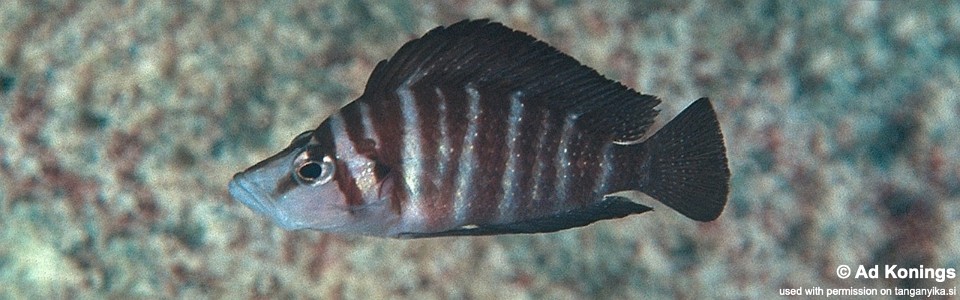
(122, 122)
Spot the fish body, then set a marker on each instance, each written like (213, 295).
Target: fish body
(477, 129)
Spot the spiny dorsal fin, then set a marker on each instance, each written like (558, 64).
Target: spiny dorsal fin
(499, 61)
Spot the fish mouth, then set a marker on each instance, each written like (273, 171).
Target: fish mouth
(242, 191)
(247, 192)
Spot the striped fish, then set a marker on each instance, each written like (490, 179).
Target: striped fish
(477, 129)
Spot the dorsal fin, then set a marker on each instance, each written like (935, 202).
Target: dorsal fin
(496, 59)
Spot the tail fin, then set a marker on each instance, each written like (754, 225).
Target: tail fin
(687, 164)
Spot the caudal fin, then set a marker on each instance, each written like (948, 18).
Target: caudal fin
(688, 164)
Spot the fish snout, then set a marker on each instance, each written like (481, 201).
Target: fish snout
(246, 192)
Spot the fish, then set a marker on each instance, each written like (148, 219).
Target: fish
(479, 129)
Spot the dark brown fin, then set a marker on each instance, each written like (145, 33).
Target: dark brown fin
(688, 164)
(610, 207)
(500, 62)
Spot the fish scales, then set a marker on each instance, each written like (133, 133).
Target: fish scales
(478, 129)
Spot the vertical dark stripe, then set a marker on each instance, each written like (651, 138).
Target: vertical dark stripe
(284, 185)
(539, 158)
(456, 122)
(530, 130)
(386, 121)
(346, 182)
(353, 123)
(546, 175)
(491, 153)
(348, 185)
(427, 105)
(585, 159)
(426, 100)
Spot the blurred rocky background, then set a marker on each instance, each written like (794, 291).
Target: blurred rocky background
(122, 122)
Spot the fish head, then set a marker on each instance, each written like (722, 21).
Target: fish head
(296, 187)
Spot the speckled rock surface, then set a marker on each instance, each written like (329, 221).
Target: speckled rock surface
(123, 121)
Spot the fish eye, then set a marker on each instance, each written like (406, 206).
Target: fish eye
(315, 172)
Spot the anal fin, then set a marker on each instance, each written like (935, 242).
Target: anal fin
(611, 207)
